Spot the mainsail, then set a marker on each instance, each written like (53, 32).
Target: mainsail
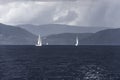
(39, 43)
(76, 44)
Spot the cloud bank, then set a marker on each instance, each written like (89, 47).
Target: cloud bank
(78, 12)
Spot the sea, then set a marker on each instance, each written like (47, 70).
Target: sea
(84, 62)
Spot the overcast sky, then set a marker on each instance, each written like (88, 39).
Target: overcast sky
(79, 12)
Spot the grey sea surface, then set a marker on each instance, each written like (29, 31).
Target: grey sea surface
(85, 62)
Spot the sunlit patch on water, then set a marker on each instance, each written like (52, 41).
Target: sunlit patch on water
(81, 72)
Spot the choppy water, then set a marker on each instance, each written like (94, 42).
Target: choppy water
(60, 63)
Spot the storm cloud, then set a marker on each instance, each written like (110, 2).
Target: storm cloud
(78, 12)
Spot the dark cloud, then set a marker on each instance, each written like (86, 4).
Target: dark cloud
(70, 16)
(104, 13)
(36, 12)
(45, 17)
(9, 1)
(78, 12)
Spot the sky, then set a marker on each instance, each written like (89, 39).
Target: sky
(102, 13)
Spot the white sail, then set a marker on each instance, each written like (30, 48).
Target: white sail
(76, 44)
(39, 43)
(46, 43)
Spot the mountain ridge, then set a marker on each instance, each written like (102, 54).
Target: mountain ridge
(104, 37)
(49, 29)
(12, 35)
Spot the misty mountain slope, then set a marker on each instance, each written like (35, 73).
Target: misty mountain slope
(49, 29)
(10, 35)
(104, 37)
(64, 38)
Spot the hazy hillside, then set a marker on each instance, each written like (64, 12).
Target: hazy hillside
(65, 38)
(49, 29)
(104, 37)
(10, 35)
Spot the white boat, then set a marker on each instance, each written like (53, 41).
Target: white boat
(76, 44)
(46, 43)
(39, 43)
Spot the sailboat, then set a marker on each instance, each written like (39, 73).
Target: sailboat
(39, 43)
(76, 44)
(46, 43)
